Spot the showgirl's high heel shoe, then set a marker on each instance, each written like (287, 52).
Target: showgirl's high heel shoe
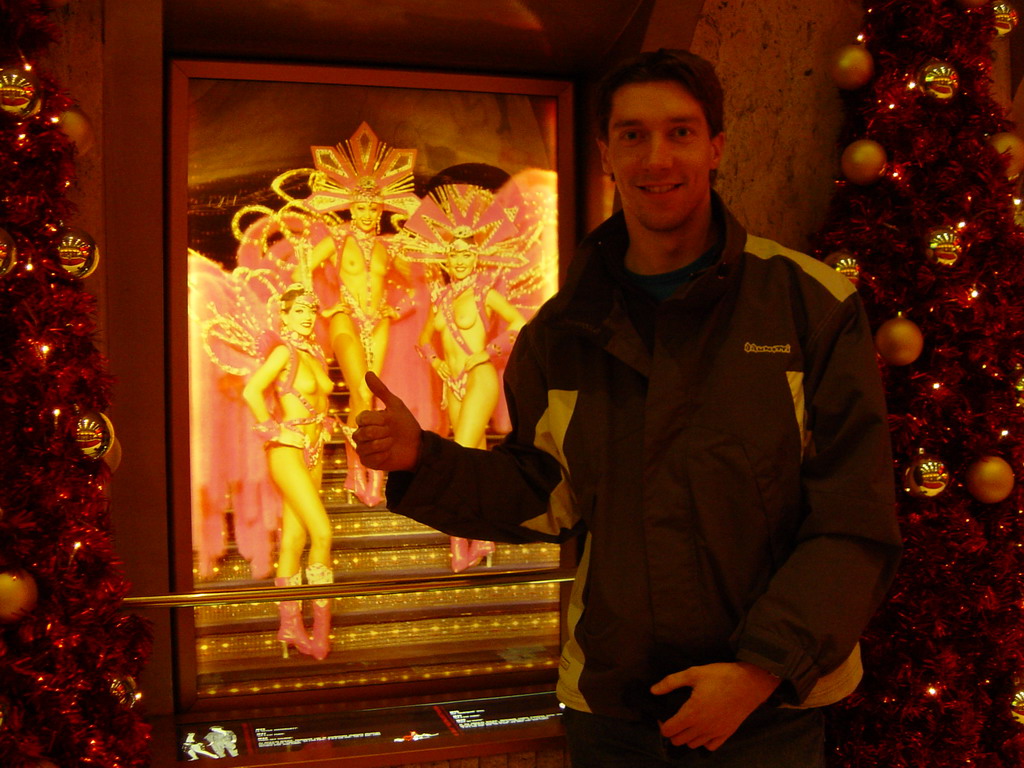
(374, 487)
(459, 553)
(292, 630)
(320, 642)
(468, 552)
(355, 473)
(481, 550)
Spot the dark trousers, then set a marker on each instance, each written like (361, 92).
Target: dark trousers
(769, 738)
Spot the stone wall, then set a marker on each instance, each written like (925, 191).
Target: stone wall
(782, 109)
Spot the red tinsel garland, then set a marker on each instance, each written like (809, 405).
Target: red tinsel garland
(67, 668)
(945, 655)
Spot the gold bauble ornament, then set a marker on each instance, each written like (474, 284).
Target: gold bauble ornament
(852, 67)
(863, 161)
(925, 477)
(938, 80)
(125, 691)
(79, 129)
(899, 341)
(19, 92)
(1017, 706)
(989, 479)
(8, 252)
(1011, 147)
(846, 264)
(18, 595)
(94, 434)
(1005, 18)
(78, 253)
(943, 246)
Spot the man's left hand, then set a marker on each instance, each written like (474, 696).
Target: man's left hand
(723, 696)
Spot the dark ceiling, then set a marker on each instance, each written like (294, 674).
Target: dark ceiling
(539, 37)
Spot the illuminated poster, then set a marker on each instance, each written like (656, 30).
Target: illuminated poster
(338, 222)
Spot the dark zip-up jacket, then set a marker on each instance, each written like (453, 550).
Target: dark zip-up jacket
(725, 452)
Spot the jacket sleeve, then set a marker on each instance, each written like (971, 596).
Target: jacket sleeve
(517, 492)
(847, 547)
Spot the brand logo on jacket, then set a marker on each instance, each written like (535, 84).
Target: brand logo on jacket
(771, 349)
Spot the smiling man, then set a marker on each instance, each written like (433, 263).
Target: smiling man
(659, 148)
(703, 407)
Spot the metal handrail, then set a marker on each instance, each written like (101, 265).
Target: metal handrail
(350, 589)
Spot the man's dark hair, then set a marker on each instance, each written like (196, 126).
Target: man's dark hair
(692, 72)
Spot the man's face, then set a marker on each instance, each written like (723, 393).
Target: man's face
(661, 153)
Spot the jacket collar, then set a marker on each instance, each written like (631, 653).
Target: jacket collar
(594, 277)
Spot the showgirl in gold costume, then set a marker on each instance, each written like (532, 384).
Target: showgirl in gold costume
(366, 178)
(294, 375)
(259, 392)
(472, 234)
